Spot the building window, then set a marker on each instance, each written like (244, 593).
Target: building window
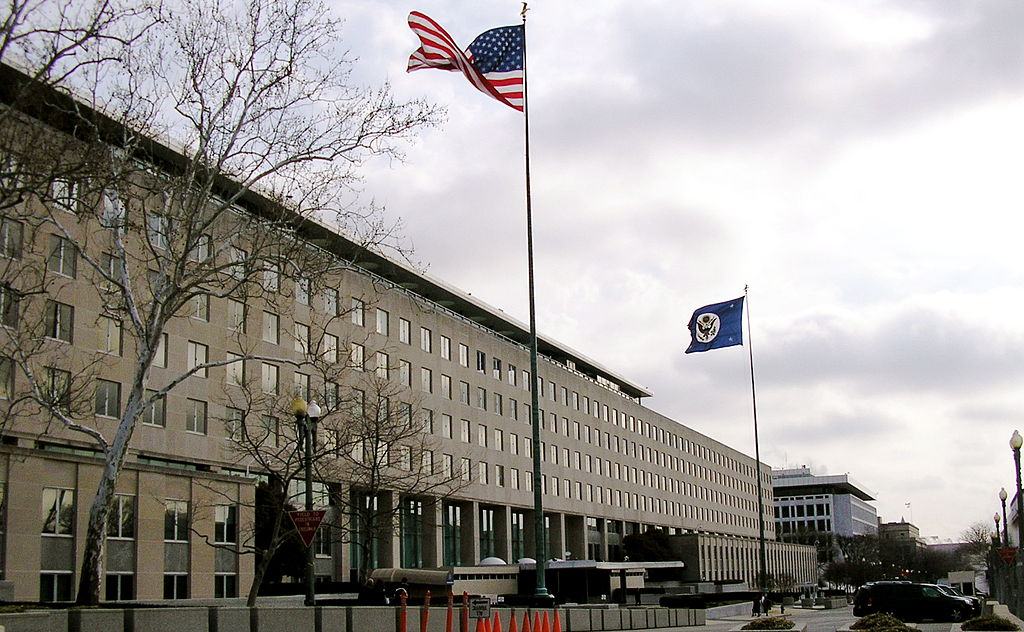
(271, 277)
(464, 393)
(65, 194)
(236, 315)
(358, 312)
(302, 291)
(270, 431)
(225, 524)
(60, 320)
(496, 368)
(447, 426)
(426, 380)
(108, 399)
(301, 386)
(10, 239)
(110, 329)
(237, 257)
(446, 386)
(195, 416)
(234, 423)
(426, 340)
(155, 414)
(8, 306)
(270, 378)
(63, 257)
(302, 338)
(382, 360)
(58, 511)
(175, 521)
(404, 331)
(119, 586)
(446, 347)
(330, 348)
(225, 585)
(58, 392)
(383, 322)
(157, 230)
(55, 587)
(271, 331)
(481, 398)
(175, 586)
(463, 355)
(405, 372)
(452, 534)
(481, 361)
(201, 307)
(198, 355)
(202, 250)
(6, 378)
(357, 357)
(121, 522)
(331, 301)
(235, 370)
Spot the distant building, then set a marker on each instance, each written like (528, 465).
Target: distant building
(901, 533)
(806, 502)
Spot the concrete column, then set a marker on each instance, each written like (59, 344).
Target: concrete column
(502, 531)
(470, 533)
(556, 545)
(433, 533)
(574, 537)
(390, 544)
(602, 526)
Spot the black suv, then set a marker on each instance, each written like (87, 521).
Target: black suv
(912, 602)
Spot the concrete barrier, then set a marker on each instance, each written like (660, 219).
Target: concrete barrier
(95, 620)
(35, 621)
(153, 619)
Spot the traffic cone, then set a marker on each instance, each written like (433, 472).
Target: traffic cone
(480, 625)
(526, 621)
(545, 626)
(536, 622)
(558, 624)
(487, 625)
(496, 626)
(512, 623)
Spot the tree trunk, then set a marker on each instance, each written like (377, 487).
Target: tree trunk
(261, 568)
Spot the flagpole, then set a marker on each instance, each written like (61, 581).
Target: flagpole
(763, 567)
(540, 533)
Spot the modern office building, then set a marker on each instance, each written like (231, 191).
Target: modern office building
(805, 502)
(184, 509)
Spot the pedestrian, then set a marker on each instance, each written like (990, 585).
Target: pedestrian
(756, 610)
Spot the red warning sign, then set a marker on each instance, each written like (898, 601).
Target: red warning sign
(306, 523)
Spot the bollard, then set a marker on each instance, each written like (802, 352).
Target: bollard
(464, 619)
(448, 619)
(403, 616)
(425, 613)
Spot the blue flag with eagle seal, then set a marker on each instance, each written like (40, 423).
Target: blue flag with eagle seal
(716, 326)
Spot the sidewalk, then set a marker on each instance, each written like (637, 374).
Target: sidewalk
(799, 615)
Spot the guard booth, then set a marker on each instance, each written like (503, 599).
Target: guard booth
(587, 581)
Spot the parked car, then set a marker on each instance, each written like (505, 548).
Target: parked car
(912, 602)
(956, 592)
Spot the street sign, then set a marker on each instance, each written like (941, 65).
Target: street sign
(480, 608)
(306, 523)
(1008, 553)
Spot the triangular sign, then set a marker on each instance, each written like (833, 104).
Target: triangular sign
(1008, 553)
(306, 523)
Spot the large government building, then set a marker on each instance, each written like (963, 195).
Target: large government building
(231, 360)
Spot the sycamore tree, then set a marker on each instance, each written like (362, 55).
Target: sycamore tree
(269, 132)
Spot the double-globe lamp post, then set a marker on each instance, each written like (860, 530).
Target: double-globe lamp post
(306, 417)
(1016, 441)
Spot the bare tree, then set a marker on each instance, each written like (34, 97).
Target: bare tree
(272, 132)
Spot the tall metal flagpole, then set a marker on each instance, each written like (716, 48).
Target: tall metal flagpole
(539, 532)
(763, 569)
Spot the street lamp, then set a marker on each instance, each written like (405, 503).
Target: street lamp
(1016, 441)
(995, 517)
(306, 417)
(1006, 525)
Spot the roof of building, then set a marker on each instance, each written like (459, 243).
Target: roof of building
(800, 482)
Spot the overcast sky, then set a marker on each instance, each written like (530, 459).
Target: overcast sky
(857, 163)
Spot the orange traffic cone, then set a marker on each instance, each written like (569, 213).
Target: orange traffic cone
(496, 626)
(480, 625)
(545, 626)
(487, 625)
(526, 622)
(536, 622)
(512, 623)
(558, 624)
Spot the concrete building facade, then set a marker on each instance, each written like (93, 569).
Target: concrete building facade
(183, 515)
(805, 502)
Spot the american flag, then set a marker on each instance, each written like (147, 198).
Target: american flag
(493, 62)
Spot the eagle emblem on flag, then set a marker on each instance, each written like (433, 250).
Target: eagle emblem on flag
(708, 325)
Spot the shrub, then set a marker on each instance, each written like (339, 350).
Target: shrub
(879, 622)
(989, 622)
(769, 623)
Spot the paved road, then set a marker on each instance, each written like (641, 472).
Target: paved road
(816, 620)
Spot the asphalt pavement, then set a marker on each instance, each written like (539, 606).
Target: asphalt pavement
(816, 619)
